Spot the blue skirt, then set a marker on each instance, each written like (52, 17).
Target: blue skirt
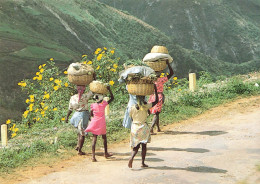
(80, 117)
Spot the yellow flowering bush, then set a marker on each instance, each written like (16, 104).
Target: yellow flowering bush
(48, 95)
(105, 64)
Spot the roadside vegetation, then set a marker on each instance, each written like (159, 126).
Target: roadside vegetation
(42, 132)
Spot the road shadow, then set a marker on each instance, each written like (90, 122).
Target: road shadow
(138, 159)
(194, 150)
(210, 133)
(201, 169)
(125, 154)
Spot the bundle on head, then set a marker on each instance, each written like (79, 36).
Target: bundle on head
(80, 73)
(98, 87)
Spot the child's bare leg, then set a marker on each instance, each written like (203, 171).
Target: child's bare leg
(153, 123)
(77, 148)
(157, 123)
(134, 152)
(94, 148)
(105, 146)
(143, 155)
(80, 144)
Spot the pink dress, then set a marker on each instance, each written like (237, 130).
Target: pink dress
(159, 84)
(97, 124)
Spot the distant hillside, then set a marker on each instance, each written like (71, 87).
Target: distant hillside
(33, 31)
(227, 30)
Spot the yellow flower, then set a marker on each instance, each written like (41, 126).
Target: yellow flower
(8, 121)
(25, 114)
(37, 119)
(43, 65)
(113, 70)
(37, 73)
(65, 72)
(99, 57)
(54, 109)
(40, 77)
(42, 104)
(115, 65)
(57, 81)
(30, 107)
(27, 101)
(111, 83)
(56, 88)
(31, 96)
(35, 78)
(42, 112)
(62, 119)
(40, 67)
(51, 79)
(179, 89)
(112, 51)
(16, 129)
(45, 108)
(89, 62)
(47, 96)
(98, 50)
(105, 48)
(51, 59)
(174, 78)
(41, 70)
(66, 84)
(162, 74)
(23, 84)
(98, 67)
(84, 55)
(13, 135)
(36, 110)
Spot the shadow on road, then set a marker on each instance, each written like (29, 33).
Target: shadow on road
(201, 169)
(194, 150)
(210, 133)
(138, 159)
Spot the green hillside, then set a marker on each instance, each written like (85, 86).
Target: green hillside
(224, 29)
(33, 31)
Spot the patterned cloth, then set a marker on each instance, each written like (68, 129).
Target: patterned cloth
(159, 84)
(97, 126)
(79, 105)
(127, 121)
(140, 131)
(80, 121)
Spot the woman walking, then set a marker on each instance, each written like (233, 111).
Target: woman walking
(156, 110)
(140, 131)
(79, 103)
(97, 125)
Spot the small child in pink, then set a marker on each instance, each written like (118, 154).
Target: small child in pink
(97, 125)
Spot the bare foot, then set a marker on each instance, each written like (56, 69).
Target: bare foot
(81, 153)
(107, 155)
(130, 163)
(144, 165)
(77, 148)
(159, 130)
(153, 133)
(94, 160)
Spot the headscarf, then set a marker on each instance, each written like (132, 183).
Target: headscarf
(81, 90)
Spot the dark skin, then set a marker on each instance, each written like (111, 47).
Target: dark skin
(156, 116)
(104, 137)
(81, 139)
(144, 149)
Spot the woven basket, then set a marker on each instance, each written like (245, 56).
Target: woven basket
(140, 89)
(99, 88)
(80, 79)
(157, 65)
(159, 49)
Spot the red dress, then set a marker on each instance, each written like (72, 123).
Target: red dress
(159, 84)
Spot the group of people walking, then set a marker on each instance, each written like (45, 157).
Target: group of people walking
(137, 111)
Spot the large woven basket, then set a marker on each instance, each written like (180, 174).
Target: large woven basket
(159, 65)
(159, 49)
(140, 89)
(80, 79)
(98, 87)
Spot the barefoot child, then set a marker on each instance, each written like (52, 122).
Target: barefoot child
(140, 131)
(97, 125)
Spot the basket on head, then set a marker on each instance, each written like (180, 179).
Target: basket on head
(159, 49)
(142, 87)
(98, 87)
(157, 66)
(80, 79)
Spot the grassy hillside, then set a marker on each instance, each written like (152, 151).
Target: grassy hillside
(224, 29)
(33, 31)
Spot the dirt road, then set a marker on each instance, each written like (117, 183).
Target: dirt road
(221, 146)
